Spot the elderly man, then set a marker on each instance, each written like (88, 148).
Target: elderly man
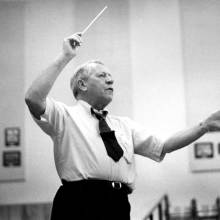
(94, 150)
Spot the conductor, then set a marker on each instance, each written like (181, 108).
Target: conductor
(94, 150)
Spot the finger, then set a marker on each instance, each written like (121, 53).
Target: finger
(73, 43)
(77, 36)
(77, 40)
(74, 38)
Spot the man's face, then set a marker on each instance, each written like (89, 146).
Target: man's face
(99, 86)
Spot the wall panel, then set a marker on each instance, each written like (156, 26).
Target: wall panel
(12, 89)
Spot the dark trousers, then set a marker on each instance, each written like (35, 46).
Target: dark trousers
(93, 200)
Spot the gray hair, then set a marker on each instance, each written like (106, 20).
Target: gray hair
(82, 72)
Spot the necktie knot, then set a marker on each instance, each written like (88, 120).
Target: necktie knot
(103, 126)
(99, 114)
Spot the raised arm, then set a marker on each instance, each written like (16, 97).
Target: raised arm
(36, 95)
(186, 137)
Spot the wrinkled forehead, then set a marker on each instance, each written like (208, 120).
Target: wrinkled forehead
(96, 68)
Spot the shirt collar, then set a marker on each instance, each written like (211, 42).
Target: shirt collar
(88, 107)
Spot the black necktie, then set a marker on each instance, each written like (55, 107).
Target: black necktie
(108, 136)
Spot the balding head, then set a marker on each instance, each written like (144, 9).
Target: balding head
(82, 73)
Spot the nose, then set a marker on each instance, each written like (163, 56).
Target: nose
(109, 80)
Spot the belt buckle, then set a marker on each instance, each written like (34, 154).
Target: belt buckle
(116, 185)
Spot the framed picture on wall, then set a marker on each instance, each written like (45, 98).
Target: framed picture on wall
(11, 158)
(204, 150)
(12, 136)
(205, 154)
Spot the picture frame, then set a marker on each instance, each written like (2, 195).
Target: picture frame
(11, 159)
(203, 150)
(12, 136)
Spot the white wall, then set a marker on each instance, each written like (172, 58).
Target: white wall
(200, 33)
(175, 54)
(159, 101)
(45, 26)
(11, 83)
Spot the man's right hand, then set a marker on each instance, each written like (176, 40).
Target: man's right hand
(71, 44)
(37, 93)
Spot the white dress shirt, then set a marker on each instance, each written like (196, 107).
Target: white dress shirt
(79, 151)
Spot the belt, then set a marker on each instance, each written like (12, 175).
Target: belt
(99, 184)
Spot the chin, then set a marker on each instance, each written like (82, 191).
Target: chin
(109, 99)
(106, 101)
(102, 101)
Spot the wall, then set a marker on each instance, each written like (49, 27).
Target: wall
(175, 54)
(159, 102)
(200, 33)
(41, 44)
(25, 212)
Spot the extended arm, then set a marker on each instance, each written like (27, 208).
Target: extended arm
(37, 93)
(186, 137)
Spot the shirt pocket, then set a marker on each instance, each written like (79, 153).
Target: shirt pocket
(126, 145)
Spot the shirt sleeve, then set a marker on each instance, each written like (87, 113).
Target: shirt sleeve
(146, 145)
(51, 121)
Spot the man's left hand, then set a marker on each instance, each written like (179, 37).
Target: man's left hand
(212, 123)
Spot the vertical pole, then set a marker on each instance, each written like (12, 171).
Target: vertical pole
(151, 217)
(218, 208)
(193, 209)
(160, 211)
(167, 208)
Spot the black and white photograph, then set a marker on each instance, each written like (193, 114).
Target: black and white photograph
(110, 109)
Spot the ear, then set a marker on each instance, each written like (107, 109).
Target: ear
(82, 85)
